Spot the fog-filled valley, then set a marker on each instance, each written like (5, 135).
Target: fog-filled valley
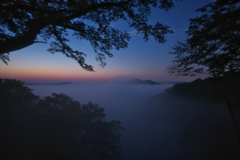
(118, 99)
(126, 103)
(159, 126)
(119, 80)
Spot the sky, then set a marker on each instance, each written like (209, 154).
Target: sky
(143, 60)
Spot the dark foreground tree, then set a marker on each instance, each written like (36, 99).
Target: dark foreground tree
(23, 21)
(209, 136)
(213, 47)
(55, 127)
(212, 43)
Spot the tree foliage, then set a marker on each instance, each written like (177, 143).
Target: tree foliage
(23, 21)
(55, 127)
(211, 88)
(209, 136)
(212, 43)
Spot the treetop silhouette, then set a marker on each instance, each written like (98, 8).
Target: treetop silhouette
(53, 127)
(212, 43)
(23, 22)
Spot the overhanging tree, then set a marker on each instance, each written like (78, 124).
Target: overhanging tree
(213, 47)
(22, 21)
(212, 43)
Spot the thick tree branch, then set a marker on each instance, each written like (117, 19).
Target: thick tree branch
(94, 7)
(19, 42)
(29, 37)
(22, 21)
(29, 8)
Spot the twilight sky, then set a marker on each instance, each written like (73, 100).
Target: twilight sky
(144, 60)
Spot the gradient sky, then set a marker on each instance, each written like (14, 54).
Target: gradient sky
(144, 60)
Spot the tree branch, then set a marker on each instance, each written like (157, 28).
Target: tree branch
(232, 116)
(94, 8)
(19, 42)
(28, 38)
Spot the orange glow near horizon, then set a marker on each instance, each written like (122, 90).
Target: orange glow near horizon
(80, 75)
(48, 73)
(53, 75)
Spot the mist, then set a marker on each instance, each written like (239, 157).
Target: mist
(118, 99)
(157, 124)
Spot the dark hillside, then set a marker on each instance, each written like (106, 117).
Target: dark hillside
(197, 118)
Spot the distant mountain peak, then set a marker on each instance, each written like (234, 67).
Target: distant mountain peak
(138, 81)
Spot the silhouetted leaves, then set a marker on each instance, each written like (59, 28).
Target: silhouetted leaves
(21, 22)
(55, 127)
(212, 46)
